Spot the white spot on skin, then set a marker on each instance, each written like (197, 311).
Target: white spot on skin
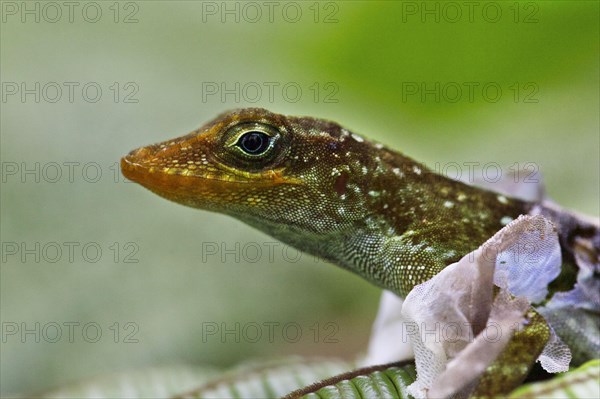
(448, 204)
(357, 138)
(506, 220)
(374, 193)
(397, 172)
(502, 199)
(461, 197)
(365, 170)
(378, 146)
(417, 170)
(385, 206)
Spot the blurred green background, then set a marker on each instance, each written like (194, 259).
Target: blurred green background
(355, 63)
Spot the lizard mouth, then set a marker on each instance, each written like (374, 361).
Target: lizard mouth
(203, 186)
(148, 168)
(144, 167)
(132, 168)
(172, 183)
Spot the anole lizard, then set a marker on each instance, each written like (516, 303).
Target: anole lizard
(327, 191)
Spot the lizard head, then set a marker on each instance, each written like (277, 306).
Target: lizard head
(266, 169)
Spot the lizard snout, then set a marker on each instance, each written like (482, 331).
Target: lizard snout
(130, 164)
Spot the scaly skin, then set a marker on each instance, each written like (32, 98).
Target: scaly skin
(329, 192)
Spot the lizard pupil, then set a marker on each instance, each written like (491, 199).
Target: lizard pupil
(254, 143)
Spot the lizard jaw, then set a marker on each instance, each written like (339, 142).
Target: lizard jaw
(211, 189)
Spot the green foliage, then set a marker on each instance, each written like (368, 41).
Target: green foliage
(388, 381)
(583, 382)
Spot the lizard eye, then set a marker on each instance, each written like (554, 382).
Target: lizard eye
(252, 146)
(254, 142)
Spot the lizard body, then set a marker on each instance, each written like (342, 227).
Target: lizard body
(327, 191)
